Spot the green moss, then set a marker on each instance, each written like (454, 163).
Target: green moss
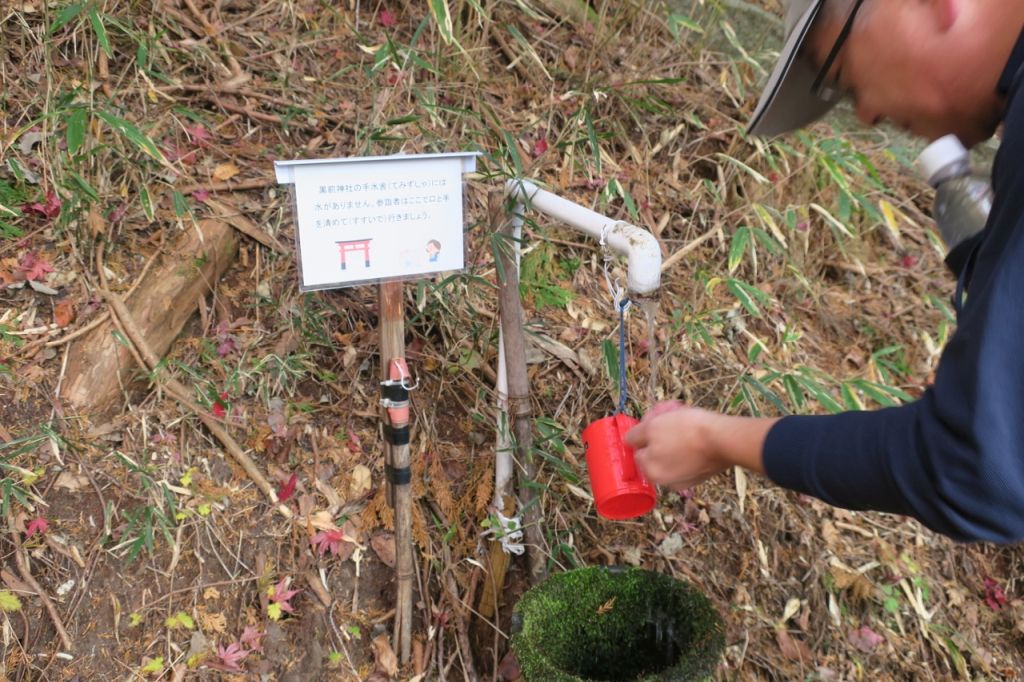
(612, 624)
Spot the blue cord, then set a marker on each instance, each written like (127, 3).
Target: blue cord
(623, 391)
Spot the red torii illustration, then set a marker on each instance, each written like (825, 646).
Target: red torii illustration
(355, 245)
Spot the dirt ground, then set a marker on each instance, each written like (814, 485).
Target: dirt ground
(133, 532)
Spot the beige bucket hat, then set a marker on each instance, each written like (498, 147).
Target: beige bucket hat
(789, 101)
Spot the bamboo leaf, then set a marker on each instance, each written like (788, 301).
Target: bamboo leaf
(133, 135)
(820, 393)
(528, 48)
(793, 390)
(592, 137)
(64, 16)
(513, 151)
(611, 359)
(748, 397)
(767, 394)
(101, 31)
(769, 222)
(850, 397)
(147, 203)
(820, 210)
(767, 241)
(75, 133)
(443, 19)
(677, 21)
(744, 167)
(888, 396)
(740, 239)
(747, 295)
(616, 187)
(889, 214)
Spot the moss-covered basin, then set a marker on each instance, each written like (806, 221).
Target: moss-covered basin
(616, 624)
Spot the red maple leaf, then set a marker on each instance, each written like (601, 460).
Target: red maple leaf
(287, 489)
(118, 212)
(200, 136)
(227, 346)
(995, 597)
(386, 18)
(175, 152)
(329, 541)
(353, 443)
(38, 524)
(35, 267)
(282, 594)
(229, 656)
(252, 637)
(864, 638)
(51, 209)
(220, 407)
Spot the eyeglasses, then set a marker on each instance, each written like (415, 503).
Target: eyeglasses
(829, 88)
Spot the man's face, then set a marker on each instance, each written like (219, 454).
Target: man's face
(895, 65)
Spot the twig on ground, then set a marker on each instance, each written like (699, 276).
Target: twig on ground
(124, 320)
(233, 217)
(266, 118)
(256, 183)
(105, 315)
(26, 575)
(238, 76)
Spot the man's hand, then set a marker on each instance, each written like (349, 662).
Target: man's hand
(679, 446)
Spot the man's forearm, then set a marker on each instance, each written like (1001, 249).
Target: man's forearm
(739, 441)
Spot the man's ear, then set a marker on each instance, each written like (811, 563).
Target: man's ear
(944, 13)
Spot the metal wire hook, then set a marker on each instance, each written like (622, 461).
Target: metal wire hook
(403, 377)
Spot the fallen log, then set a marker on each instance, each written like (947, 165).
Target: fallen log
(100, 370)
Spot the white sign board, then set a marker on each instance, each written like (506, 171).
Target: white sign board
(367, 219)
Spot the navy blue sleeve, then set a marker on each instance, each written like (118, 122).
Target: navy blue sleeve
(955, 458)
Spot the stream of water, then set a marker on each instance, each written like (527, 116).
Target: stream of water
(650, 308)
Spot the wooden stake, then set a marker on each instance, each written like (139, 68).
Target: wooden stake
(519, 400)
(392, 347)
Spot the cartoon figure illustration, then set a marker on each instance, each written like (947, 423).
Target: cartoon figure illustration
(433, 250)
(355, 245)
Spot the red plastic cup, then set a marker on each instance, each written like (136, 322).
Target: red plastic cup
(620, 490)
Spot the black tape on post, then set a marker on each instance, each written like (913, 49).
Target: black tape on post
(397, 436)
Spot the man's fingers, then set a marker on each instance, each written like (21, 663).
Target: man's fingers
(640, 459)
(661, 408)
(636, 437)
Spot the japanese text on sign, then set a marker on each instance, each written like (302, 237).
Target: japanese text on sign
(368, 219)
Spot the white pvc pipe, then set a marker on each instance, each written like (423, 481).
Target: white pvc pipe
(641, 249)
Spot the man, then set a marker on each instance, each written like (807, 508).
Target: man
(953, 459)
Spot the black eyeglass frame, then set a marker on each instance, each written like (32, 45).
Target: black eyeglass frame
(819, 87)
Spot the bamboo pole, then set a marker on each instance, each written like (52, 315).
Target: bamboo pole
(392, 347)
(504, 502)
(519, 398)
